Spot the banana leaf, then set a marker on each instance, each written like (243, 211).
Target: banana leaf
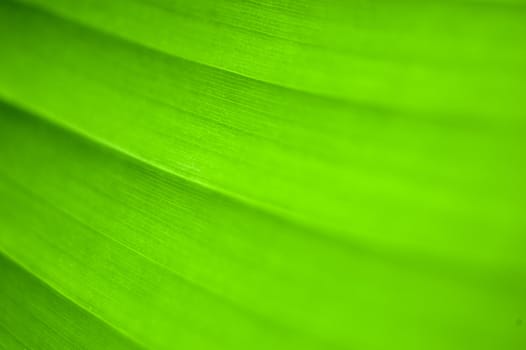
(263, 174)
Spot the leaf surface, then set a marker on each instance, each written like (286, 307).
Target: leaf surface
(275, 175)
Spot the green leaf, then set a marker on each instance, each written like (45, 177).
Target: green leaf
(262, 174)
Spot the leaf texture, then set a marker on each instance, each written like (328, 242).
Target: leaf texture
(262, 174)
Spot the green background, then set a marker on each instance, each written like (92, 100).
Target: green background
(276, 174)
